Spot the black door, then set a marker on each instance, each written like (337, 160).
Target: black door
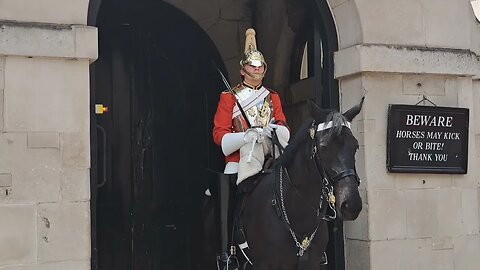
(161, 89)
(317, 37)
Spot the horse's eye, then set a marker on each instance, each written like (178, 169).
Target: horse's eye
(322, 144)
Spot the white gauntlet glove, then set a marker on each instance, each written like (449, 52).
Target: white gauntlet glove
(231, 142)
(282, 132)
(253, 134)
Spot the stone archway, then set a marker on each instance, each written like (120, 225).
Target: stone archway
(325, 31)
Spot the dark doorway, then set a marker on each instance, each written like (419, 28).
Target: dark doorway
(153, 146)
(311, 77)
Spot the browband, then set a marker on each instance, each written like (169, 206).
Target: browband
(323, 126)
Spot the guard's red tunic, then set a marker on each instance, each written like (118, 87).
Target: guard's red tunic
(224, 123)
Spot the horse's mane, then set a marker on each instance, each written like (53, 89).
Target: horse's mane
(303, 133)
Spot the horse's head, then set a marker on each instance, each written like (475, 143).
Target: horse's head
(336, 147)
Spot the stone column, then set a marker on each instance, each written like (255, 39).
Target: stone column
(45, 52)
(414, 48)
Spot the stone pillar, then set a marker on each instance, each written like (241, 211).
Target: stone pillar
(416, 48)
(45, 52)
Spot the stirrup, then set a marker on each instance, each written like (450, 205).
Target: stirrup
(227, 262)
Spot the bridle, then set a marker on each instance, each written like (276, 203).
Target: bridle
(332, 180)
(328, 183)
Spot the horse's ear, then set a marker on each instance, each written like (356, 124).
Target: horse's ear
(315, 111)
(350, 114)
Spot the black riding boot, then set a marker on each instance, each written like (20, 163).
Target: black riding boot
(225, 199)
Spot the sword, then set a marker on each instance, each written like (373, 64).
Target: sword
(225, 81)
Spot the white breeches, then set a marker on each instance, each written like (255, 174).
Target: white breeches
(231, 168)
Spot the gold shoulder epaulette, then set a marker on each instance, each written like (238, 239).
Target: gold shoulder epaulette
(238, 87)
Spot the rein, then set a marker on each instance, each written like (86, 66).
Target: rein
(302, 247)
(327, 188)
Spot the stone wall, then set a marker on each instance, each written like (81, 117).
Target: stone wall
(414, 48)
(390, 51)
(45, 52)
(225, 22)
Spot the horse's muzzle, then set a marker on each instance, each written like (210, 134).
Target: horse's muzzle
(348, 200)
(350, 210)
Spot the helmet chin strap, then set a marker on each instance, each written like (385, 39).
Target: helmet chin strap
(255, 76)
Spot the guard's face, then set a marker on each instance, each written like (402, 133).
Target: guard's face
(253, 74)
(254, 69)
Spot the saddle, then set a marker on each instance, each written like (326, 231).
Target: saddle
(249, 184)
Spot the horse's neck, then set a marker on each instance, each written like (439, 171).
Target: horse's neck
(304, 177)
(302, 194)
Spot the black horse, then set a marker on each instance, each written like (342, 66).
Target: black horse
(314, 180)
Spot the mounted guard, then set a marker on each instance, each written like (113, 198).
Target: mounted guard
(243, 124)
